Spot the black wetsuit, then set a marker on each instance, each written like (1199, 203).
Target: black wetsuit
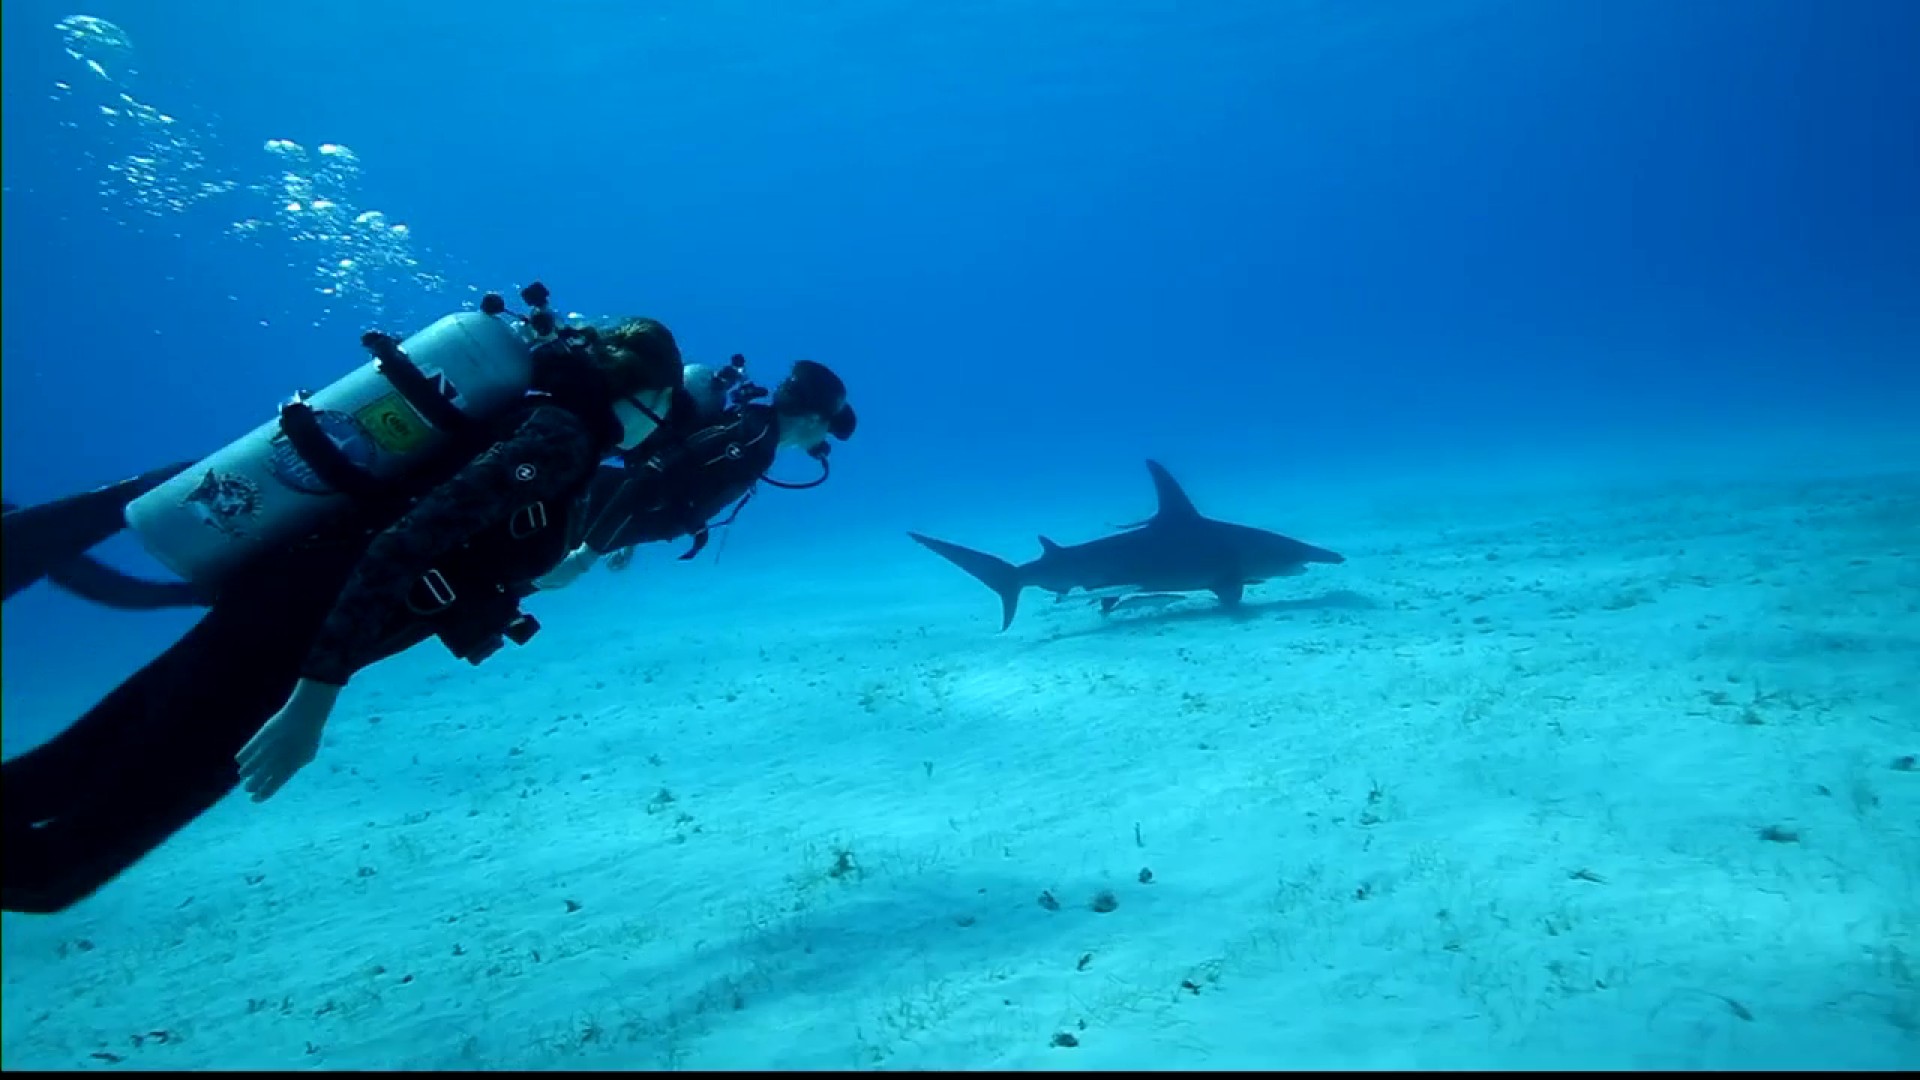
(677, 490)
(159, 750)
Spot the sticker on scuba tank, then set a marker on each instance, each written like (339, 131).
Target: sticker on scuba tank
(224, 502)
(443, 387)
(393, 425)
(342, 430)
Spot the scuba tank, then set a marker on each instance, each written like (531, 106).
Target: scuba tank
(371, 429)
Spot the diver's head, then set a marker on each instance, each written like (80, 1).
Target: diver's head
(812, 404)
(641, 362)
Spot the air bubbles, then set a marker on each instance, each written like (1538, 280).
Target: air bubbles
(154, 164)
(299, 204)
(97, 44)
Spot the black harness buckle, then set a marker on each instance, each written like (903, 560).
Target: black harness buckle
(527, 520)
(439, 590)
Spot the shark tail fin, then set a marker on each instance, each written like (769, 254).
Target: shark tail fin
(994, 572)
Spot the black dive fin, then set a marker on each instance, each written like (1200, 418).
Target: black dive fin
(34, 540)
(90, 579)
(995, 573)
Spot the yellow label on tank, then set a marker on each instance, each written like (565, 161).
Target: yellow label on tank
(393, 424)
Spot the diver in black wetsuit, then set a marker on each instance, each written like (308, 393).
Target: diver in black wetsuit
(450, 555)
(716, 447)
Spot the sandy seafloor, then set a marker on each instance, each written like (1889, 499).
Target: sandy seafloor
(1614, 775)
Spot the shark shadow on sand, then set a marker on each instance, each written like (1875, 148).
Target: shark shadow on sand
(1179, 610)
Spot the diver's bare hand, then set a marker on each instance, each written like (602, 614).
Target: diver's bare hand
(288, 742)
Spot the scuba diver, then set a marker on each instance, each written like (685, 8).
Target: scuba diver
(419, 496)
(716, 447)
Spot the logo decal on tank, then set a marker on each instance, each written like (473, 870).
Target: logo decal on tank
(291, 469)
(224, 502)
(443, 387)
(393, 425)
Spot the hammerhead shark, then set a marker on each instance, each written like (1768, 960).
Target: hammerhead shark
(1176, 550)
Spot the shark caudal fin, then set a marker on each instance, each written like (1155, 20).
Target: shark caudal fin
(995, 573)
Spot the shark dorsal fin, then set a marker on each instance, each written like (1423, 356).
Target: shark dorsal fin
(1174, 504)
(1048, 547)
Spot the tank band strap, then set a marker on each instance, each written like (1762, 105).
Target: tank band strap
(301, 425)
(430, 396)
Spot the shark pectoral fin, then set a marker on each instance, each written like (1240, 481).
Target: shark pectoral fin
(1108, 603)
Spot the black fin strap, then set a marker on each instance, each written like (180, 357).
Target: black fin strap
(737, 507)
(699, 543)
(701, 537)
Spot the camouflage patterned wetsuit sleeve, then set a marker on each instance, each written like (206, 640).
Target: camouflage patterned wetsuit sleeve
(546, 457)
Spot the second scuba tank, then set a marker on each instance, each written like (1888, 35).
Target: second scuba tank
(384, 419)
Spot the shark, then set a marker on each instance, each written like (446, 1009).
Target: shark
(1177, 550)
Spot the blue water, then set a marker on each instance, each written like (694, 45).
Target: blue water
(1310, 246)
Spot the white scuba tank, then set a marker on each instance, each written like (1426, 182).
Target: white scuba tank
(704, 386)
(259, 492)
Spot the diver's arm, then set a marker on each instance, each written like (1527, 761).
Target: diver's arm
(578, 562)
(617, 496)
(544, 458)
